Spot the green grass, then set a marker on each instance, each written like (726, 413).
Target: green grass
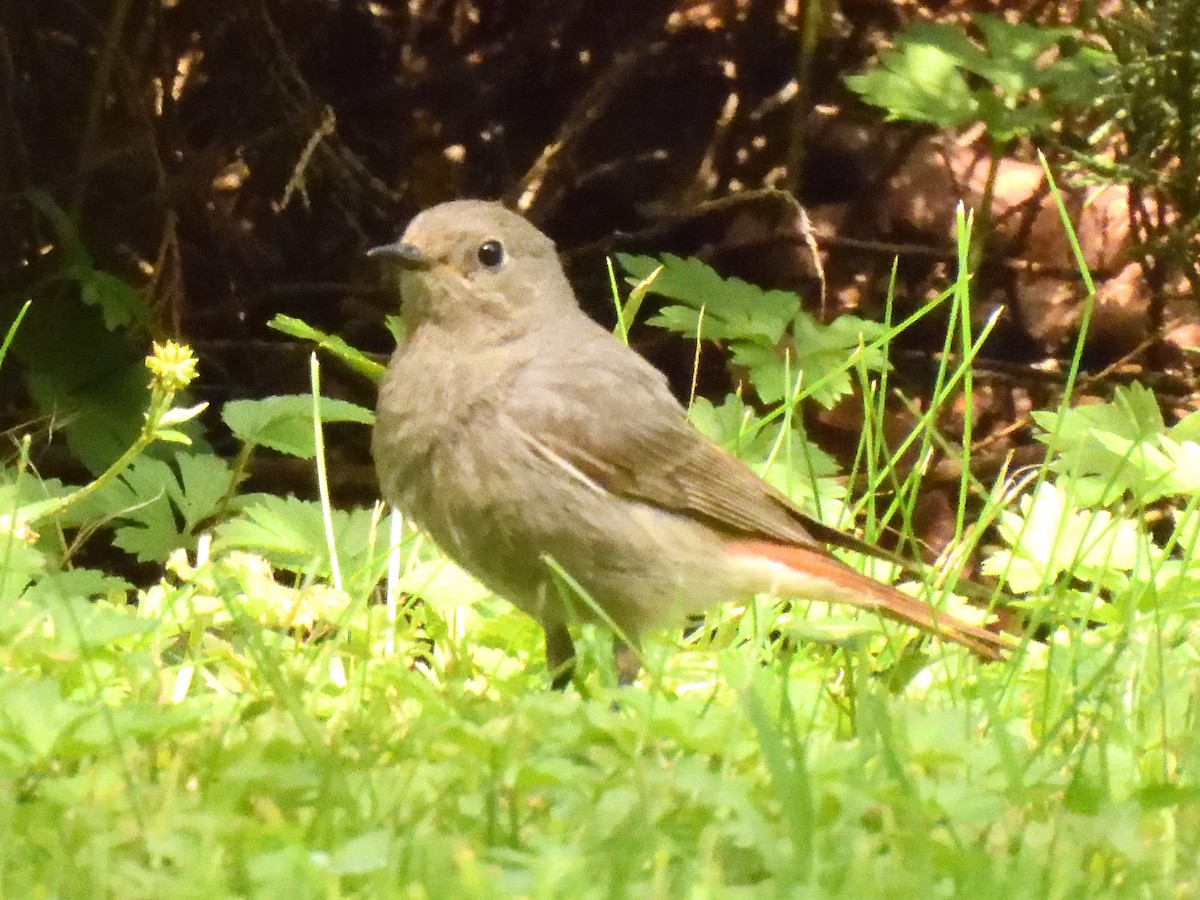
(141, 761)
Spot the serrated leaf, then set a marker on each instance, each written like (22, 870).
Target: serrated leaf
(80, 583)
(1099, 446)
(680, 320)
(1027, 75)
(87, 608)
(732, 307)
(290, 533)
(753, 322)
(161, 504)
(734, 425)
(204, 481)
(141, 499)
(285, 423)
(1183, 476)
(1048, 537)
(821, 353)
(744, 433)
(1016, 60)
(119, 302)
(919, 83)
(101, 624)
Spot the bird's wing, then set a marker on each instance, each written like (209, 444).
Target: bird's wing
(675, 467)
(608, 417)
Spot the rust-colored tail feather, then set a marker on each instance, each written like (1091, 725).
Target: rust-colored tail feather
(857, 589)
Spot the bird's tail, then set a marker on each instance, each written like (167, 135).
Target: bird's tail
(810, 573)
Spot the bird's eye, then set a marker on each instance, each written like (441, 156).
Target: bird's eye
(491, 254)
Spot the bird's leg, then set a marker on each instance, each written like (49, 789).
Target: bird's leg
(628, 662)
(560, 655)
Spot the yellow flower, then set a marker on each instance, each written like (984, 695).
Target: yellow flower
(172, 365)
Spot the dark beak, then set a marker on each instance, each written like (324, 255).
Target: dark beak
(405, 255)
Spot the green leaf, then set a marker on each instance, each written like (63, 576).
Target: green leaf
(820, 359)
(79, 583)
(1016, 79)
(753, 439)
(732, 308)
(1187, 428)
(171, 436)
(291, 534)
(754, 323)
(160, 505)
(735, 425)
(1049, 537)
(34, 716)
(354, 358)
(87, 376)
(87, 609)
(285, 423)
(918, 82)
(20, 565)
(395, 327)
(77, 367)
(204, 481)
(1017, 59)
(119, 302)
(69, 245)
(27, 548)
(1099, 445)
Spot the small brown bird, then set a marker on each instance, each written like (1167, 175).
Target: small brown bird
(516, 431)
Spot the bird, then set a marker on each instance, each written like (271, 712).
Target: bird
(529, 442)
